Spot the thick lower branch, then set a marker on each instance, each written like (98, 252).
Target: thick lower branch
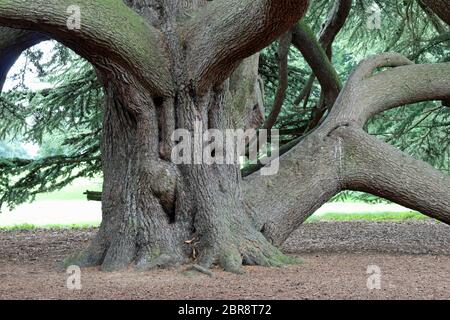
(375, 167)
(308, 178)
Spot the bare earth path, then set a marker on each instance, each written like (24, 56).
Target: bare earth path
(414, 258)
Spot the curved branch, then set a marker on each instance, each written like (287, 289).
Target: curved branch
(402, 86)
(335, 22)
(318, 54)
(283, 57)
(367, 67)
(366, 94)
(305, 41)
(12, 43)
(109, 28)
(375, 167)
(226, 31)
(339, 155)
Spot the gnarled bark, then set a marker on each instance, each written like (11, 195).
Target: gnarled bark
(165, 65)
(244, 27)
(110, 34)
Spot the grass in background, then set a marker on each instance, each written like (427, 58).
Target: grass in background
(77, 189)
(368, 216)
(332, 216)
(27, 226)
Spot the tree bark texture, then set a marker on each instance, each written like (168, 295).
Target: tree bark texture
(167, 65)
(171, 64)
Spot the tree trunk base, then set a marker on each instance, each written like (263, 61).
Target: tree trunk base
(230, 249)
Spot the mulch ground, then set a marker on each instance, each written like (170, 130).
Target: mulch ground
(413, 257)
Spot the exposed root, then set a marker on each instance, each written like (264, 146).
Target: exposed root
(161, 261)
(199, 268)
(230, 260)
(92, 256)
(255, 252)
(120, 254)
(229, 257)
(267, 257)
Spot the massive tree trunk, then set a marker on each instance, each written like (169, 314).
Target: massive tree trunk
(166, 65)
(169, 65)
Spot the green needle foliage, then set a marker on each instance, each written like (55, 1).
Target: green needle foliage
(64, 120)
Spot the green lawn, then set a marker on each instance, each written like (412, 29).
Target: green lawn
(368, 216)
(28, 226)
(332, 216)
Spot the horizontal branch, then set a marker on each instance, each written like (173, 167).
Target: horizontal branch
(340, 155)
(380, 169)
(109, 31)
(225, 32)
(402, 86)
(348, 158)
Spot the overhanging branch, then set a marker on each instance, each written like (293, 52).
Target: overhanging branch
(380, 169)
(110, 31)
